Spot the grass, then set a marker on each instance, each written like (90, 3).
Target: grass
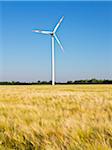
(64, 117)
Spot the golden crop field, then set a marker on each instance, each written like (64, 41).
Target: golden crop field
(63, 117)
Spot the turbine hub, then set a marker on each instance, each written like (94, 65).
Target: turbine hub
(52, 34)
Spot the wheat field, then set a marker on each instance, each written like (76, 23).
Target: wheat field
(63, 117)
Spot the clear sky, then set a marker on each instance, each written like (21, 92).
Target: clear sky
(85, 33)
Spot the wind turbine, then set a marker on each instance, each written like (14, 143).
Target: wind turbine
(53, 36)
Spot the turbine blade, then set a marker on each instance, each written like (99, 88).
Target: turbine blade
(58, 24)
(59, 43)
(43, 32)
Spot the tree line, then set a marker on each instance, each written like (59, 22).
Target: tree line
(91, 81)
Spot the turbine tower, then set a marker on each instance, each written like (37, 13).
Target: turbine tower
(53, 36)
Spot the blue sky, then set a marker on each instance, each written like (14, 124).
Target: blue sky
(85, 33)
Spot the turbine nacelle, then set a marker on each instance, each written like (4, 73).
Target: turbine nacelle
(52, 34)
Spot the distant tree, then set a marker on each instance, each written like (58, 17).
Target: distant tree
(13, 83)
(38, 82)
(69, 82)
(92, 81)
(50, 82)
